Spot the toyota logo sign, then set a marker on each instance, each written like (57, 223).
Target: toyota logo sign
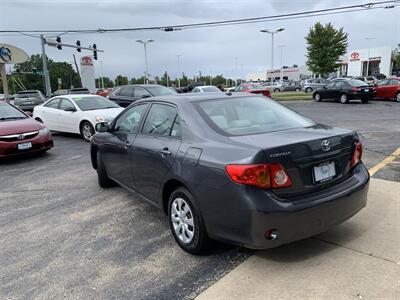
(87, 61)
(355, 56)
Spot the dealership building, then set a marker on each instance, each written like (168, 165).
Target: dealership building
(364, 62)
(292, 74)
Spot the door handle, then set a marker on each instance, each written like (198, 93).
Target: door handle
(165, 151)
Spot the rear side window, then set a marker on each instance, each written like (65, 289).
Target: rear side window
(140, 92)
(162, 120)
(66, 104)
(249, 115)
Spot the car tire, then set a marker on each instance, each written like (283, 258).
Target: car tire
(308, 90)
(298, 90)
(317, 97)
(87, 131)
(398, 97)
(277, 90)
(365, 101)
(344, 99)
(104, 180)
(186, 222)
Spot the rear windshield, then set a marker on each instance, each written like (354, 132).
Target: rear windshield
(249, 115)
(79, 91)
(160, 90)
(357, 83)
(27, 94)
(8, 112)
(94, 102)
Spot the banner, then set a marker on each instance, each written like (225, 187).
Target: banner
(87, 73)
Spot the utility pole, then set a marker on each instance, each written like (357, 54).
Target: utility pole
(45, 70)
(236, 66)
(281, 46)
(179, 70)
(146, 73)
(102, 75)
(272, 32)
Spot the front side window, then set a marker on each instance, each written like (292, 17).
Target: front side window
(249, 115)
(140, 92)
(66, 104)
(129, 122)
(53, 103)
(330, 85)
(125, 91)
(394, 82)
(383, 82)
(86, 103)
(161, 120)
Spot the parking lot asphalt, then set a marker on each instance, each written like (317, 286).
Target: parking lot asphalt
(63, 236)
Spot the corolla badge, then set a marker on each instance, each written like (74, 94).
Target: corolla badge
(326, 145)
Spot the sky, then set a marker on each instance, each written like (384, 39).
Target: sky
(209, 50)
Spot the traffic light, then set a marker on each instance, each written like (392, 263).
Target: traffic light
(94, 51)
(78, 43)
(34, 71)
(58, 39)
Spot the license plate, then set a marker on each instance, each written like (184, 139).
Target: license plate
(324, 172)
(366, 90)
(24, 146)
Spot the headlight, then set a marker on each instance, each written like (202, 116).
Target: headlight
(100, 119)
(44, 131)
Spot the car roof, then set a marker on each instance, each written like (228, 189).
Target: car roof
(193, 97)
(140, 85)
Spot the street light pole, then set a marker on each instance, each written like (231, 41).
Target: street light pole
(146, 72)
(102, 75)
(369, 47)
(45, 70)
(179, 70)
(281, 46)
(272, 32)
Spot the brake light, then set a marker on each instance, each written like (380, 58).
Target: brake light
(354, 89)
(261, 175)
(356, 157)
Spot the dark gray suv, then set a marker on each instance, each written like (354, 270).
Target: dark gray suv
(238, 168)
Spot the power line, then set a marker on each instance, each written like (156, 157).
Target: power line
(319, 12)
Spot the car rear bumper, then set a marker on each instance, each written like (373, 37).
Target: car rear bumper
(367, 95)
(265, 213)
(39, 143)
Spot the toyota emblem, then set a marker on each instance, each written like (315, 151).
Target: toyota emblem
(325, 145)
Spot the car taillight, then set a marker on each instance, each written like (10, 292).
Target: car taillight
(261, 175)
(356, 157)
(354, 89)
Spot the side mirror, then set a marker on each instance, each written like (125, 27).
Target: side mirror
(71, 109)
(102, 127)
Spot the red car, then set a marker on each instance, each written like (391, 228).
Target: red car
(388, 88)
(20, 134)
(104, 92)
(252, 88)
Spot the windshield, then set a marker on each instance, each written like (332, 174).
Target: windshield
(79, 91)
(357, 83)
(255, 87)
(92, 103)
(8, 112)
(210, 89)
(160, 90)
(27, 95)
(249, 115)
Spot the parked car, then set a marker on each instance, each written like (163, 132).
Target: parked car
(311, 85)
(76, 113)
(345, 90)
(288, 87)
(60, 92)
(379, 76)
(233, 167)
(27, 100)
(127, 94)
(20, 134)
(388, 88)
(206, 89)
(2, 97)
(79, 91)
(252, 88)
(104, 92)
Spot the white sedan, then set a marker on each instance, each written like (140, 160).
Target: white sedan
(76, 113)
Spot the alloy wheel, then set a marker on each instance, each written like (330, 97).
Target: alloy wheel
(182, 220)
(87, 131)
(317, 97)
(343, 99)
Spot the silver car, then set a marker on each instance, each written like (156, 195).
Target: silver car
(311, 85)
(27, 100)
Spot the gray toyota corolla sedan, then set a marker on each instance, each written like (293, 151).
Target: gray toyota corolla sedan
(238, 168)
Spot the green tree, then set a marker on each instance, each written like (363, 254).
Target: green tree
(63, 70)
(121, 80)
(325, 46)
